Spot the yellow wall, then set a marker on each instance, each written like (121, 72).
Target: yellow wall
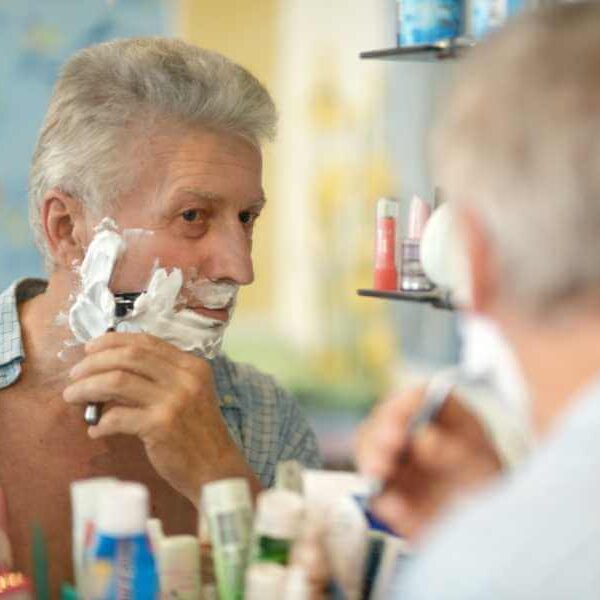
(246, 32)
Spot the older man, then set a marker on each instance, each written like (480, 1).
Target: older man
(164, 137)
(519, 156)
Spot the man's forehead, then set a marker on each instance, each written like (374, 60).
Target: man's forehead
(207, 195)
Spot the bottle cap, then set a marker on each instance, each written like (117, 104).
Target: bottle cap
(265, 581)
(279, 514)
(226, 495)
(123, 510)
(180, 552)
(388, 208)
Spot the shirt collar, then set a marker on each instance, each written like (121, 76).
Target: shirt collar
(226, 382)
(11, 337)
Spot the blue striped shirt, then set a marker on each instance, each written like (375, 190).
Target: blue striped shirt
(263, 419)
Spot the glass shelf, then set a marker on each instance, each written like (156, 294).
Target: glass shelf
(427, 53)
(436, 298)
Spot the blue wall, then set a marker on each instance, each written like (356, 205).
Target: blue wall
(36, 36)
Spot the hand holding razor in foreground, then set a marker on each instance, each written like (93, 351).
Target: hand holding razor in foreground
(424, 464)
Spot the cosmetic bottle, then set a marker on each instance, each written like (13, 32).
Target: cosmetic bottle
(265, 581)
(179, 567)
(228, 509)
(413, 278)
(386, 237)
(121, 563)
(423, 22)
(85, 496)
(279, 516)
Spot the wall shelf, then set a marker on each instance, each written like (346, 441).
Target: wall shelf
(427, 53)
(435, 298)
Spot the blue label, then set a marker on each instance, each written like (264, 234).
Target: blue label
(429, 21)
(122, 569)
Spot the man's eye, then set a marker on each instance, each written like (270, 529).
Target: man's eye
(247, 217)
(190, 215)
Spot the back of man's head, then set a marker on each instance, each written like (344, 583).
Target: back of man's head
(520, 141)
(111, 97)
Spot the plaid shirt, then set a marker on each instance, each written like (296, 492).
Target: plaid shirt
(263, 419)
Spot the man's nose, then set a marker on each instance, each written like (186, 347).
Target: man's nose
(230, 256)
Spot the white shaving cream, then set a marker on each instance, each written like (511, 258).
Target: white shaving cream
(156, 311)
(94, 309)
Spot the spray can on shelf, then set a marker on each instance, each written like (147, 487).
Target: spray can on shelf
(424, 22)
(413, 277)
(386, 244)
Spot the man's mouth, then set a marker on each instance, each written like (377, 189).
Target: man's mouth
(219, 314)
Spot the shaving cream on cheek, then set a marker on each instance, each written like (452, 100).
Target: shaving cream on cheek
(157, 310)
(93, 311)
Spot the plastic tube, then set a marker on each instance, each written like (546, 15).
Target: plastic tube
(228, 511)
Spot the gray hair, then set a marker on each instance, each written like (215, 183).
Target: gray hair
(520, 141)
(107, 96)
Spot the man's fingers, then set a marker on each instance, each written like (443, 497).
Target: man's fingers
(119, 386)
(163, 349)
(118, 419)
(134, 359)
(382, 437)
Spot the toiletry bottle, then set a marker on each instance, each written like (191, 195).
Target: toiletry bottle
(424, 22)
(296, 585)
(207, 566)
(15, 586)
(228, 510)
(121, 563)
(179, 567)
(413, 277)
(279, 515)
(386, 236)
(85, 494)
(265, 581)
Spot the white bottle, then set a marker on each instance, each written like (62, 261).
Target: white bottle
(179, 567)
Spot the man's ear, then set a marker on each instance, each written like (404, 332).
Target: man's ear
(64, 227)
(484, 271)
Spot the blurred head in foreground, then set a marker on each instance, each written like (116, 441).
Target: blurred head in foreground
(517, 152)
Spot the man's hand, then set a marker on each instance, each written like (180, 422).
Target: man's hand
(446, 459)
(165, 397)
